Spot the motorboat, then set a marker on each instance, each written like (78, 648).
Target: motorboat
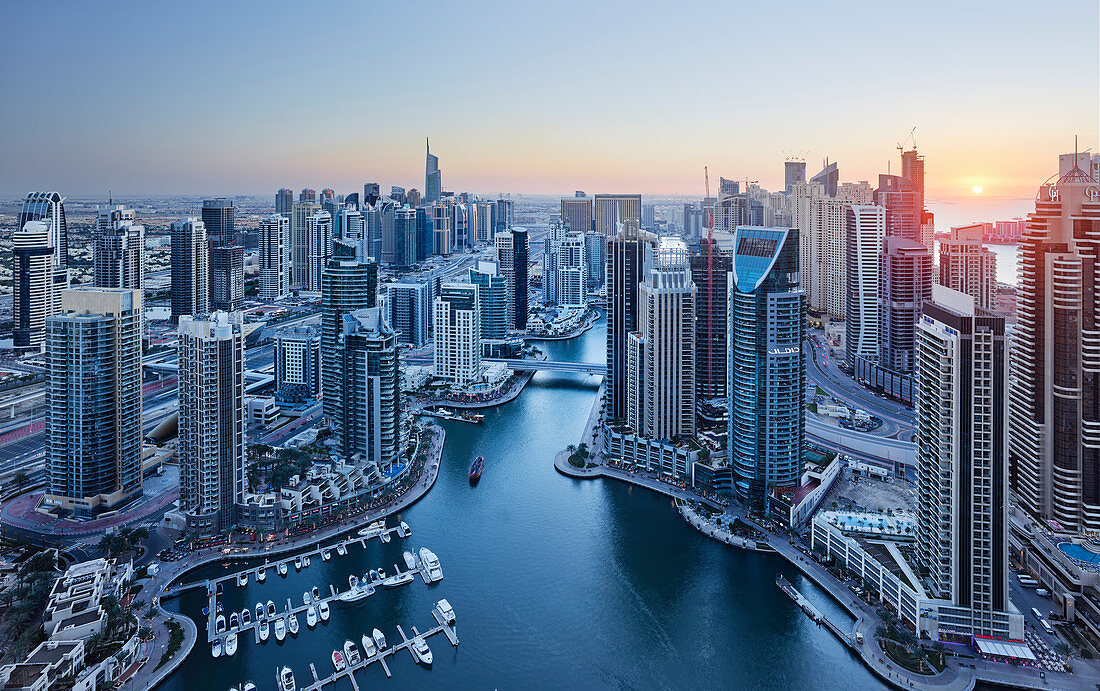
(311, 617)
(220, 608)
(297, 563)
(281, 568)
(379, 640)
(285, 677)
(368, 646)
(355, 595)
(261, 574)
(292, 625)
(265, 630)
(305, 562)
(219, 624)
(407, 530)
(475, 469)
(216, 648)
(246, 616)
(384, 537)
(325, 555)
(242, 579)
(260, 612)
(373, 529)
(375, 577)
(431, 564)
(338, 661)
(234, 620)
(270, 609)
(410, 560)
(353, 582)
(398, 579)
(341, 549)
(445, 611)
(231, 643)
(306, 599)
(218, 590)
(249, 686)
(421, 651)
(322, 610)
(315, 592)
(280, 629)
(351, 653)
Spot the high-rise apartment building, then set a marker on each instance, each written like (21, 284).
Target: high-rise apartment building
(456, 319)
(190, 268)
(503, 212)
(905, 282)
(227, 283)
(308, 195)
(767, 374)
(1054, 400)
(297, 363)
(610, 210)
(34, 297)
(594, 249)
(410, 307)
(572, 271)
(274, 257)
(967, 266)
(865, 230)
(712, 290)
(404, 237)
(576, 214)
(301, 212)
(511, 246)
(793, 172)
(828, 178)
(49, 207)
(433, 177)
(211, 440)
(284, 201)
(442, 231)
(492, 297)
(220, 218)
(624, 262)
(347, 284)
(319, 248)
(93, 351)
(119, 249)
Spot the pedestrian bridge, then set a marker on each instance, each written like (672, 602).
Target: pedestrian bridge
(550, 366)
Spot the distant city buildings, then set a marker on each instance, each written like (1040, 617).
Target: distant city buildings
(433, 177)
(968, 266)
(119, 249)
(190, 268)
(572, 271)
(227, 282)
(610, 210)
(301, 212)
(319, 248)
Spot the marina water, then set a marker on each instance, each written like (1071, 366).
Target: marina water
(556, 583)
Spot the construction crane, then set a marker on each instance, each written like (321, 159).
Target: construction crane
(710, 281)
(911, 135)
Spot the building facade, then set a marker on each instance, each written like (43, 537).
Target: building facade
(492, 297)
(347, 284)
(190, 268)
(119, 250)
(865, 230)
(905, 282)
(967, 266)
(297, 363)
(410, 309)
(34, 296)
(274, 257)
(457, 326)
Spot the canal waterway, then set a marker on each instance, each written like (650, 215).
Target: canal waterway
(556, 583)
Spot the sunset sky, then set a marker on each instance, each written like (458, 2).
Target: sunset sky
(245, 97)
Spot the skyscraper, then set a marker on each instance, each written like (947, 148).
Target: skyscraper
(319, 248)
(404, 237)
(119, 250)
(297, 363)
(442, 231)
(220, 218)
(511, 246)
(227, 284)
(410, 307)
(1054, 400)
(503, 215)
(274, 257)
(610, 210)
(594, 253)
(425, 234)
(307, 195)
(456, 320)
(372, 192)
(284, 202)
(347, 284)
(50, 208)
(967, 266)
(211, 440)
(368, 419)
(433, 177)
(793, 172)
(624, 257)
(828, 178)
(572, 271)
(710, 321)
(962, 476)
(576, 213)
(301, 212)
(905, 282)
(190, 268)
(767, 374)
(93, 352)
(661, 354)
(34, 298)
(492, 297)
(865, 230)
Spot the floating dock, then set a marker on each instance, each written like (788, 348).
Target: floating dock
(812, 611)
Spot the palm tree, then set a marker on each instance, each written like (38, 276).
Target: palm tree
(1064, 649)
(21, 478)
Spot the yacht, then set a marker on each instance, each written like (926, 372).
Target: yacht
(341, 549)
(405, 527)
(398, 579)
(421, 651)
(410, 560)
(373, 529)
(219, 624)
(351, 653)
(368, 646)
(231, 643)
(322, 609)
(354, 595)
(446, 611)
(265, 630)
(260, 612)
(325, 555)
(379, 640)
(297, 563)
(375, 577)
(282, 572)
(249, 686)
(261, 574)
(242, 579)
(285, 677)
(234, 620)
(246, 616)
(293, 625)
(280, 629)
(270, 609)
(311, 617)
(353, 582)
(306, 599)
(338, 661)
(216, 648)
(305, 562)
(315, 592)
(431, 564)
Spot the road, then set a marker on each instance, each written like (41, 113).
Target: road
(821, 370)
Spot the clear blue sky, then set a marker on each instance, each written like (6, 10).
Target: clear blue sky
(246, 97)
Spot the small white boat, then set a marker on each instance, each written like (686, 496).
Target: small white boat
(325, 555)
(261, 574)
(373, 529)
(322, 609)
(265, 630)
(231, 643)
(384, 537)
(421, 650)
(249, 686)
(311, 617)
(270, 609)
(368, 646)
(281, 568)
(410, 560)
(242, 579)
(445, 611)
(375, 576)
(353, 582)
(234, 620)
(261, 613)
(338, 661)
(246, 616)
(306, 599)
(341, 549)
(305, 562)
(216, 648)
(280, 629)
(431, 564)
(219, 624)
(297, 563)
(315, 593)
(351, 653)
(405, 527)
(293, 625)
(379, 640)
(397, 580)
(285, 677)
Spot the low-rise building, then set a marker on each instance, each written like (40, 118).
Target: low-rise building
(74, 609)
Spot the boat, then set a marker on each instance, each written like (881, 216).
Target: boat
(246, 616)
(315, 592)
(373, 529)
(354, 595)
(431, 564)
(231, 643)
(280, 629)
(421, 651)
(270, 609)
(398, 579)
(379, 640)
(384, 537)
(249, 686)
(338, 661)
(219, 624)
(351, 653)
(297, 563)
(445, 611)
(311, 617)
(322, 609)
(218, 589)
(305, 562)
(325, 555)
(375, 577)
(341, 550)
(220, 609)
(476, 467)
(306, 599)
(242, 579)
(368, 646)
(281, 568)
(261, 574)
(410, 560)
(353, 582)
(285, 677)
(260, 612)
(265, 630)
(234, 620)
(216, 648)
(292, 625)
(405, 527)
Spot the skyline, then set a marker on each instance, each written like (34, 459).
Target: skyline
(525, 102)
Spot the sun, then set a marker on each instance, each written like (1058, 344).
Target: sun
(976, 189)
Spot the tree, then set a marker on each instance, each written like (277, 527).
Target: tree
(21, 478)
(1064, 649)
(940, 648)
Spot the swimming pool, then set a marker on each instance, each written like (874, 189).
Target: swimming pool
(1079, 552)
